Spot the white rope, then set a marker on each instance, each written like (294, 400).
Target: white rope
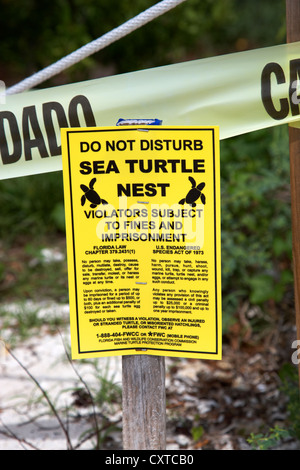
(95, 46)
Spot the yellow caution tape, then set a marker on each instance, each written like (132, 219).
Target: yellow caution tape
(240, 93)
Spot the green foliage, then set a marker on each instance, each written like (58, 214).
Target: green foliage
(24, 322)
(197, 432)
(34, 34)
(265, 442)
(31, 205)
(256, 219)
(290, 387)
(108, 391)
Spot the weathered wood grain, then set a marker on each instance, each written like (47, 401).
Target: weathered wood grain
(144, 402)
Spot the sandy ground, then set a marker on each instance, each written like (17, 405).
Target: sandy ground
(25, 418)
(228, 398)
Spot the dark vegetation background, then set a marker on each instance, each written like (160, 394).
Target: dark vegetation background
(255, 202)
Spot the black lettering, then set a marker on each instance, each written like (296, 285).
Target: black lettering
(199, 166)
(173, 164)
(15, 155)
(112, 166)
(167, 141)
(131, 164)
(54, 118)
(48, 109)
(122, 190)
(95, 146)
(184, 169)
(150, 189)
(87, 111)
(30, 119)
(178, 146)
(163, 187)
(145, 145)
(110, 145)
(145, 168)
(158, 144)
(137, 189)
(160, 165)
(98, 167)
(86, 168)
(84, 147)
(198, 145)
(268, 70)
(121, 145)
(187, 144)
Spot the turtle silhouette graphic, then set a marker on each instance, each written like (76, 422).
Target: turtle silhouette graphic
(91, 195)
(194, 194)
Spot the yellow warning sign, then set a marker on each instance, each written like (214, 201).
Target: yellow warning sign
(143, 239)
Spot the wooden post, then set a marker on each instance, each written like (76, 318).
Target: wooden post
(293, 35)
(143, 397)
(144, 403)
